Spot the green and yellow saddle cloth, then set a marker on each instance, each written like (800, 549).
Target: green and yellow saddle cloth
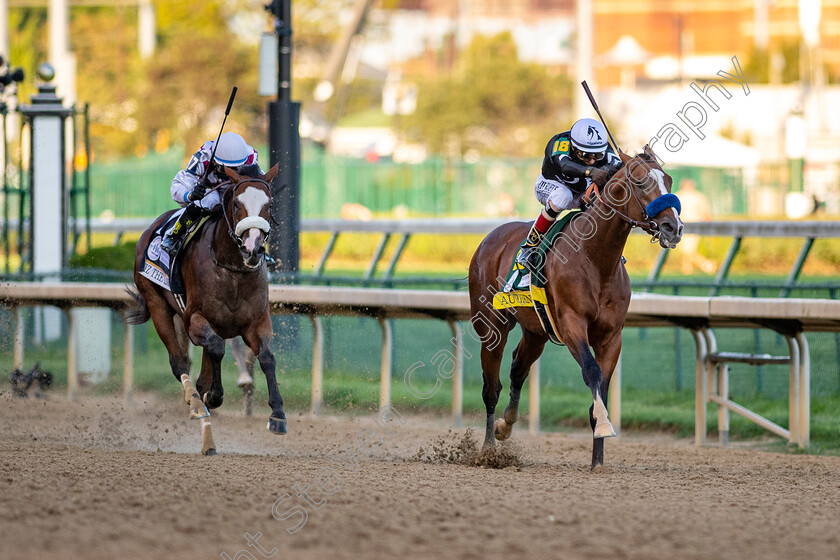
(523, 289)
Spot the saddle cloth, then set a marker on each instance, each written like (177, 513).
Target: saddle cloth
(159, 267)
(521, 290)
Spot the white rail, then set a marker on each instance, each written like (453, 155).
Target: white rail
(789, 317)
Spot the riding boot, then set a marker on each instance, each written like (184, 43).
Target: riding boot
(172, 239)
(528, 255)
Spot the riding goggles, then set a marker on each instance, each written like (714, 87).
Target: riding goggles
(581, 155)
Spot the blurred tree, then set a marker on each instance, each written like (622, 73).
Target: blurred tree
(757, 68)
(187, 83)
(108, 78)
(495, 104)
(27, 45)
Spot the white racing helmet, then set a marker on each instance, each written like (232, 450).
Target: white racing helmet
(589, 135)
(232, 150)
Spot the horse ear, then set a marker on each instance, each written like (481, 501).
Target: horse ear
(272, 172)
(649, 151)
(232, 174)
(624, 157)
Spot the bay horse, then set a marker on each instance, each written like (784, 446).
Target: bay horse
(586, 285)
(226, 287)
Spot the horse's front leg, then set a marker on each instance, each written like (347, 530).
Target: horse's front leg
(259, 341)
(607, 353)
(209, 382)
(576, 338)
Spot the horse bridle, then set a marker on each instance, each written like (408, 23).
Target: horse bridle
(646, 224)
(249, 222)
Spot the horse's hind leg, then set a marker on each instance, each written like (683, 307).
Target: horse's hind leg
(184, 342)
(164, 319)
(527, 352)
(259, 341)
(244, 358)
(493, 341)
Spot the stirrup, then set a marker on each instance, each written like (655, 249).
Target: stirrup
(170, 244)
(527, 256)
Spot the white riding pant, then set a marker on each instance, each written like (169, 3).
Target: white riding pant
(555, 193)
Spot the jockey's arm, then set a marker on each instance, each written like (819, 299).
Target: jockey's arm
(185, 180)
(570, 168)
(182, 185)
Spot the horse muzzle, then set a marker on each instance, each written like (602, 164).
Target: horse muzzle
(670, 234)
(252, 248)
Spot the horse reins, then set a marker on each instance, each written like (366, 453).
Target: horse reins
(231, 230)
(646, 224)
(231, 190)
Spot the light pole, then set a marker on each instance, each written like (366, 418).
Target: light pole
(284, 146)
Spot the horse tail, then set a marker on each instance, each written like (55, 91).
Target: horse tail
(138, 313)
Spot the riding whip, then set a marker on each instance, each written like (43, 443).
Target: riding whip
(216, 145)
(595, 106)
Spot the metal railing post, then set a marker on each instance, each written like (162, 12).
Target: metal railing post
(723, 271)
(385, 368)
(793, 390)
(397, 254)
(317, 365)
(128, 361)
(790, 281)
(458, 377)
(804, 391)
(72, 373)
(534, 398)
(377, 255)
(322, 262)
(18, 359)
(699, 386)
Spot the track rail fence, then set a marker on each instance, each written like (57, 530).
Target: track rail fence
(788, 317)
(375, 274)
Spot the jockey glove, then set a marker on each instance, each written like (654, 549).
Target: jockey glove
(198, 191)
(599, 176)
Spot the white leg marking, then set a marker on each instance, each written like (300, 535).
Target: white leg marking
(603, 427)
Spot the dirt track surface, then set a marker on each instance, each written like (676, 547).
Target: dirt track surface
(96, 479)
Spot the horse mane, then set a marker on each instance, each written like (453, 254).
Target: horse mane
(252, 170)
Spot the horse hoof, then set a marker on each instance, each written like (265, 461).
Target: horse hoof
(211, 451)
(213, 400)
(247, 388)
(277, 426)
(244, 380)
(502, 429)
(604, 430)
(198, 411)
